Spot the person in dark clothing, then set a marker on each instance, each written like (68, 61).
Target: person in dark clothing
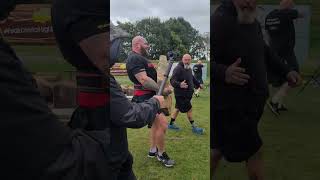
(37, 146)
(125, 114)
(197, 71)
(184, 84)
(144, 76)
(80, 28)
(281, 32)
(237, 108)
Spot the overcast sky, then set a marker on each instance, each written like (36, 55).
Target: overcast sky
(197, 12)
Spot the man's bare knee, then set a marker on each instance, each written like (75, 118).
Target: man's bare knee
(164, 124)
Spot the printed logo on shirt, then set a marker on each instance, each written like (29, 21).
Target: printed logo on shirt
(272, 23)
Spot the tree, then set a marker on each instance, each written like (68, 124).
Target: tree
(174, 34)
(188, 40)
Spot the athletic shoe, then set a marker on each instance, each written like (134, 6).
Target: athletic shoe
(197, 130)
(274, 108)
(152, 154)
(282, 108)
(173, 127)
(164, 158)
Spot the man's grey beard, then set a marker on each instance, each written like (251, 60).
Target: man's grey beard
(144, 52)
(246, 16)
(187, 66)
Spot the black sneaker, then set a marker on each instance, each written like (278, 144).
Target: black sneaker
(152, 154)
(165, 160)
(282, 108)
(274, 108)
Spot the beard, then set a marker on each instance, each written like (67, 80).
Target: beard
(246, 15)
(144, 52)
(186, 66)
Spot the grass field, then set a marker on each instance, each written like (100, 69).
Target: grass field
(190, 151)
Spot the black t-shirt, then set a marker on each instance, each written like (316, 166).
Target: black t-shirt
(136, 64)
(197, 70)
(279, 25)
(74, 21)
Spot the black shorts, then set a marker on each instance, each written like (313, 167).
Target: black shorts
(288, 58)
(235, 132)
(199, 79)
(183, 103)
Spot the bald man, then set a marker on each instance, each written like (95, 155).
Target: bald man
(144, 76)
(184, 84)
(281, 31)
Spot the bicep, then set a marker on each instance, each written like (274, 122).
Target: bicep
(141, 76)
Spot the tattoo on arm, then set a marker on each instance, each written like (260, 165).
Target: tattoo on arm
(146, 81)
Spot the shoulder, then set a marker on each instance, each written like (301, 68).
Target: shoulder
(136, 60)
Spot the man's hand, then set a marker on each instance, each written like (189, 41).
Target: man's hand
(294, 79)
(201, 86)
(183, 85)
(160, 100)
(167, 91)
(235, 74)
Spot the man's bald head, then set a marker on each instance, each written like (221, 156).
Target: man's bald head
(138, 40)
(186, 60)
(286, 4)
(140, 45)
(199, 62)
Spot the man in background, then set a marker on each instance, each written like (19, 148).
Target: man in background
(237, 108)
(184, 84)
(280, 28)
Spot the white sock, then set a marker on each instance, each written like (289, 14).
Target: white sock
(153, 149)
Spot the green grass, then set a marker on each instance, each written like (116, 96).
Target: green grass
(190, 151)
(42, 58)
(291, 144)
